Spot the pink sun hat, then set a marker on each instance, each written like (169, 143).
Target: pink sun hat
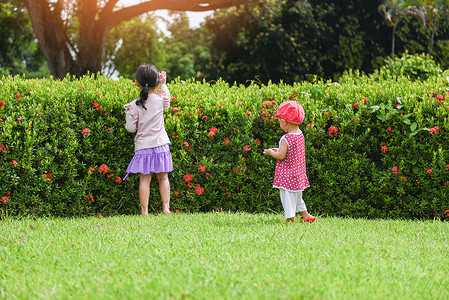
(291, 111)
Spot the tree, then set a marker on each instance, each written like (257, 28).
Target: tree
(434, 10)
(188, 49)
(394, 11)
(72, 34)
(130, 44)
(289, 39)
(19, 49)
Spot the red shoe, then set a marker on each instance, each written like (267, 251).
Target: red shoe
(309, 220)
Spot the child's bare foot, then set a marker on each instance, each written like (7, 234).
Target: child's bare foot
(290, 220)
(144, 213)
(166, 212)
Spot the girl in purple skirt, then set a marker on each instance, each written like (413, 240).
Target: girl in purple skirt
(145, 116)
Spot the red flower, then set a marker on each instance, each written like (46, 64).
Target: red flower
(202, 168)
(176, 193)
(247, 148)
(18, 96)
(248, 113)
(91, 169)
(103, 169)
(48, 176)
(384, 149)
(227, 141)
(204, 118)
(85, 131)
(198, 189)
(440, 97)
(190, 184)
(447, 167)
(177, 211)
(188, 177)
(266, 103)
(175, 109)
(388, 130)
(2, 148)
(395, 170)
(356, 104)
(446, 212)
(429, 171)
(186, 144)
(229, 194)
(14, 162)
(2, 103)
(257, 141)
(333, 130)
(434, 129)
(118, 180)
(96, 106)
(213, 131)
(5, 199)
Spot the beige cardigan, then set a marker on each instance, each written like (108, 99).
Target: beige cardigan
(149, 123)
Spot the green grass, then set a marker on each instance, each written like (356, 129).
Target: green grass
(224, 256)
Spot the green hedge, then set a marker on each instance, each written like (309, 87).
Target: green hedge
(369, 148)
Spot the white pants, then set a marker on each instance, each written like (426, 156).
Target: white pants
(292, 203)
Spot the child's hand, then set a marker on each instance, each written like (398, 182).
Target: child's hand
(163, 77)
(270, 152)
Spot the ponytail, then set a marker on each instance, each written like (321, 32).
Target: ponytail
(148, 77)
(143, 97)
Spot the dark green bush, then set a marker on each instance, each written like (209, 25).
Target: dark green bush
(370, 146)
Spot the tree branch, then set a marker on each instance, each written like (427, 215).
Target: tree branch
(108, 8)
(176, 5)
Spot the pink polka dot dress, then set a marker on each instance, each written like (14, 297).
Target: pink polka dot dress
(290, 172)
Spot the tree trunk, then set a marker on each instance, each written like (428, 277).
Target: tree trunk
(393, 41)
(431, 41)
(92, 37)
(50, 32)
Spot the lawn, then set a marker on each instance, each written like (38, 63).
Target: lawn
(223, 256)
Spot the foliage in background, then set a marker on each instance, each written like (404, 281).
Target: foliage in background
(261, 40)
(416, 67)
(19, 49)
(182, 53)
(130, 44)
(374, 147)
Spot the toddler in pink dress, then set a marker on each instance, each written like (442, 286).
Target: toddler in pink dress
(290, 175)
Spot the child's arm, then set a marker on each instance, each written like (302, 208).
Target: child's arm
(131, 121)
(164, 92)
(278, 154)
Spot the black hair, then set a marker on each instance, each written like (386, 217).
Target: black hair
(148, 77)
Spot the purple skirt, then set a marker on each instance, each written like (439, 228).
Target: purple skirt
(151, 161)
